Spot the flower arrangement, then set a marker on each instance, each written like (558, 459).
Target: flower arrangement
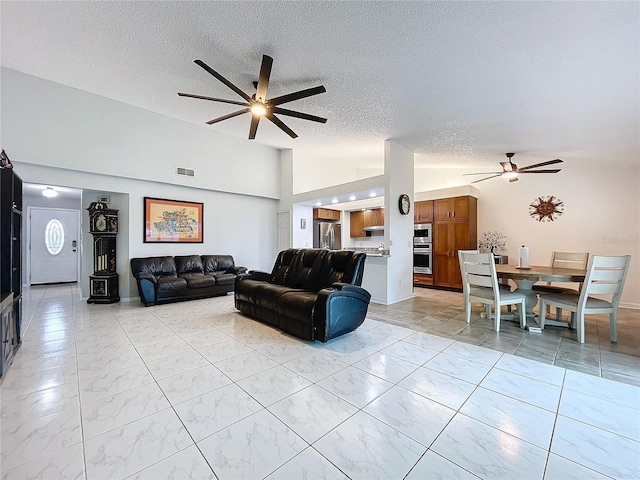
(492, 240)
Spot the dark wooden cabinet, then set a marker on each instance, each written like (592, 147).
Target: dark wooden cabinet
(326, 214)
(422, 279)
(455, 228)
(10, 263)
(423, 212)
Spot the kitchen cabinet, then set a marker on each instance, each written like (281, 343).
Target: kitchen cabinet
(423, 212)
(368, 218)
(456, 231)
(326, 214)
(357, 224)
(452, 208)
(422, 279)
(374, 217)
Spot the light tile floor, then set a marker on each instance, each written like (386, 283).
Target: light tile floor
(193, 389)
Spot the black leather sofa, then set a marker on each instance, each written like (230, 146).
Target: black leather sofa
(312, 294)
(172, 279)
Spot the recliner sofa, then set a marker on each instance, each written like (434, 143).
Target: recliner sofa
(312, 294)
(172, 279)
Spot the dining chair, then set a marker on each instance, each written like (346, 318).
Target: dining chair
(480, 284)
(577, 261)
(605, 277)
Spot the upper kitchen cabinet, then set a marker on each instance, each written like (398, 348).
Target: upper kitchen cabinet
(453, 208)
(374, 218)
(365, 219)
(423, 212)
(357, 224)
(326, 214)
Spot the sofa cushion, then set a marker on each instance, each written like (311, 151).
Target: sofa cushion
(153, 265)
(198, 280)
(268, 295)
(281, 267)
(217, 263)
(169, 283)
(189, 264)
(337, 264)
(297, 305)
(306, 269)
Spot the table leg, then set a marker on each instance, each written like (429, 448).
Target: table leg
(531, 297)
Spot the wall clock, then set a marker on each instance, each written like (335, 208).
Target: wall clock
(546, 209)
(404, 204)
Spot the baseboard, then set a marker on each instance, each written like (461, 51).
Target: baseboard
(633, 306)
(391, 302)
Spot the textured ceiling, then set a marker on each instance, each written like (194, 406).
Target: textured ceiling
(460, 83)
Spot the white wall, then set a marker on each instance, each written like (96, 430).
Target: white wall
(46, 123)
(62, 136)
(238, 225)
(601, 213)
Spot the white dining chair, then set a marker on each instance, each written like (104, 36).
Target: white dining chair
(480, 284)
(577, 261)
(605, 277)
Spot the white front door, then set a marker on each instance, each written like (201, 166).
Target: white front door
(54, 245)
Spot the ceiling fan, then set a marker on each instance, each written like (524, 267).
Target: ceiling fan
(511, 171)
(258, 104)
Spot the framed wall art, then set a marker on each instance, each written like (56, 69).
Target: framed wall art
(172, 221)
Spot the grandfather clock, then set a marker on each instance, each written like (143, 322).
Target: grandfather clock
(103, 225)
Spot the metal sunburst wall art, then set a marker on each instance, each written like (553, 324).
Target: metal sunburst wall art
(546, 209)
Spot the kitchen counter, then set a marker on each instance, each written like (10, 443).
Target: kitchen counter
(371, 252)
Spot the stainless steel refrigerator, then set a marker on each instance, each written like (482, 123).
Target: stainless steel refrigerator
(327, 235)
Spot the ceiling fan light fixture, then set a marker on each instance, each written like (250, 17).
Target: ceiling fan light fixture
(259, 109)
(510, 175)
(49, 192)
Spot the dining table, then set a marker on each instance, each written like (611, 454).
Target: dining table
(524, 279)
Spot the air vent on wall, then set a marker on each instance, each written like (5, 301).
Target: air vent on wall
(104, 199)
(186, 172)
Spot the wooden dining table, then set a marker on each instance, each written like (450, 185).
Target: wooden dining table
(524, 279)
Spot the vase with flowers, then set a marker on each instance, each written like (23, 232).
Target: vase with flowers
(493, 240)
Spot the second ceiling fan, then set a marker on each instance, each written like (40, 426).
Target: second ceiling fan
(258, 104)
(511, 171)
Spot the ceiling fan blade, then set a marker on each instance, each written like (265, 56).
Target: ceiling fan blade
(255, 119)
(483, 173)
(483, 179)
(543, 164)
(231, 115)
(304, 116)
(281, 125)
(223, 80)
(263, 79)
(290, 97)
(201, 97)
(553, 170)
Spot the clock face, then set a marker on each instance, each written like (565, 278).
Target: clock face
(404, 204)
(101, 223)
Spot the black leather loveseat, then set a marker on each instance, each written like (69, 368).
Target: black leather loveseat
(312, 294)
(171, 279)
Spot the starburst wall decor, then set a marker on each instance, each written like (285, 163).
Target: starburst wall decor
(546, 209)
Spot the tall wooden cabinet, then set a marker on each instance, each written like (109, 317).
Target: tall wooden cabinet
(10, 264)
(455, 228)
(423, 212)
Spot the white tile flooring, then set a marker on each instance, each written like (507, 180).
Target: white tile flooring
(194, 390)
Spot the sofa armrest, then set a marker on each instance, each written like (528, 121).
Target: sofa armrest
(236, 270)
(339, 310)
(146, 287)
(258, 275)
(146, 276)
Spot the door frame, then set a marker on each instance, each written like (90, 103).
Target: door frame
(28, 236)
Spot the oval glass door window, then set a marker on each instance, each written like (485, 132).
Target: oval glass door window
(54, 236)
